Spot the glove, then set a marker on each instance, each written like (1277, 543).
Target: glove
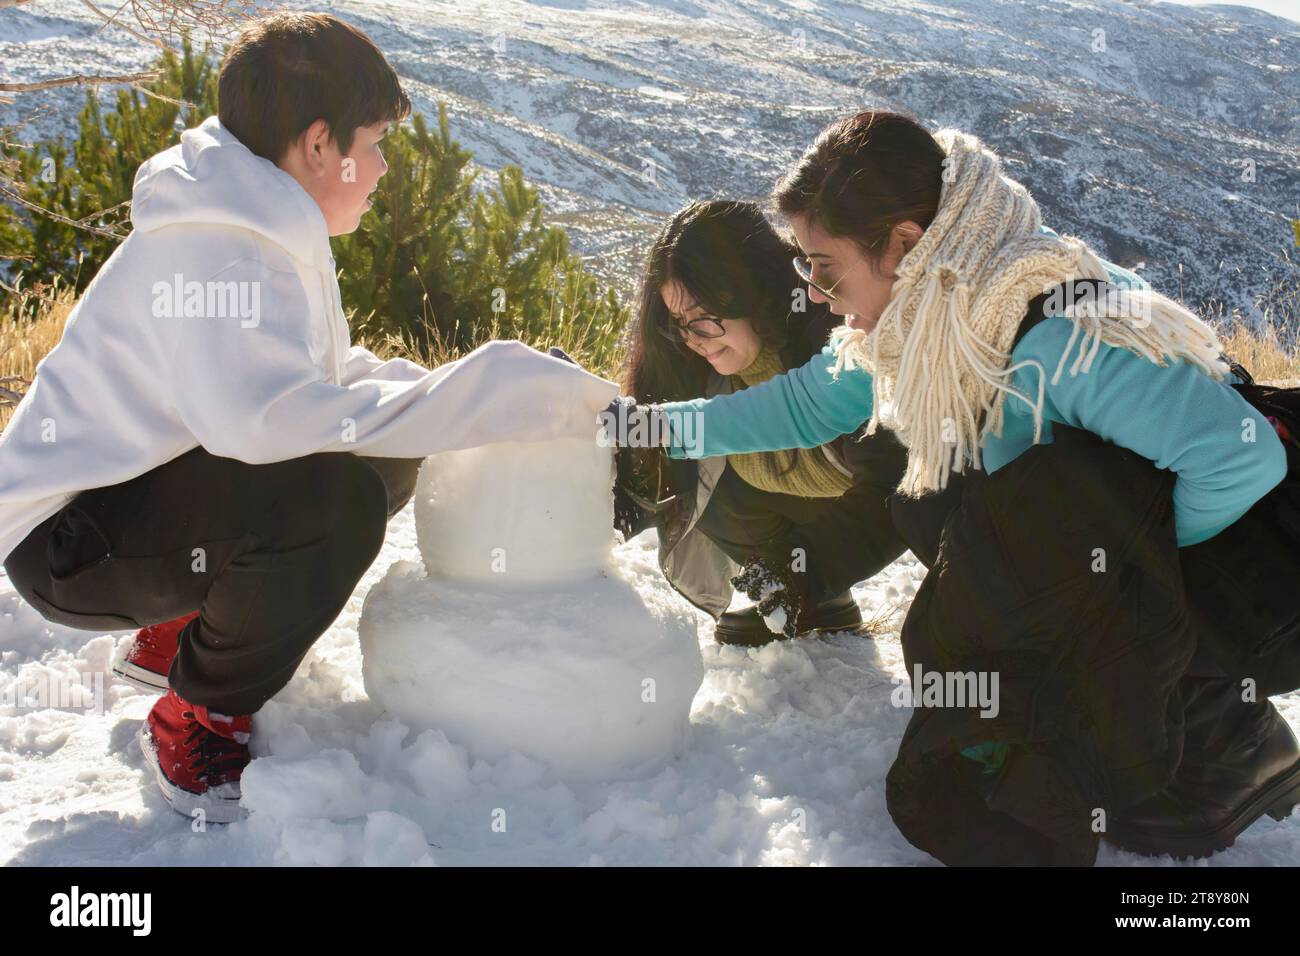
(625, 424)
(776, 590)
(638, 490)
(629, 518)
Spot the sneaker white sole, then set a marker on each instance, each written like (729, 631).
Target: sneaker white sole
(141, 678)
(218, 804)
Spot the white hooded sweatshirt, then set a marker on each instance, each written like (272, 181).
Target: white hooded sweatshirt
(218, 322)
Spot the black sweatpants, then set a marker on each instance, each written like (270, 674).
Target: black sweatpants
(268, 554)
(846, 539)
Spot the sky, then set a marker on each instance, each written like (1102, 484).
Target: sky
(1281, 8)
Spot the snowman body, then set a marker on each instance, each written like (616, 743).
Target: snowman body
(520, 631)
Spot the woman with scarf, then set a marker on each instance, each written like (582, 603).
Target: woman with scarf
(1127, 529)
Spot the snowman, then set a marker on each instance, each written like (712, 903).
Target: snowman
(521, 629)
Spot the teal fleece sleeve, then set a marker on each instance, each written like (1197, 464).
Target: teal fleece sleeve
(803, 408)
(1225, 453)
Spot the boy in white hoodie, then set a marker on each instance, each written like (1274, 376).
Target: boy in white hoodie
(205, 442)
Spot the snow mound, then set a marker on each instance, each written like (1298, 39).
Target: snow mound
(520, 633)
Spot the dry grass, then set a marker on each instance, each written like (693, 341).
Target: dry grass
(1264, 355)
(32, 324)
(884, 620)
(1271, 355)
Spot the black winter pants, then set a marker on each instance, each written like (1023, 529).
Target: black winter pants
(846, 539)
(269, 555)
(1239, 589)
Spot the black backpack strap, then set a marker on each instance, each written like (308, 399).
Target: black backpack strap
(1062, 296)
(1238, 369)
(1033, 315)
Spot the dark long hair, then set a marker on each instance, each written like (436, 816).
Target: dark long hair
(736, 265)
(863, 175)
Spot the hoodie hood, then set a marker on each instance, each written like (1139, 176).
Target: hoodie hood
(211, 178)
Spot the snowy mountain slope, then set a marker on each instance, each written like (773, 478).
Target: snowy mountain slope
(1131, 121)
(786, 764)
(622, 111)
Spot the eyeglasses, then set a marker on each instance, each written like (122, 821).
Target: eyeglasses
(803, 267)
(701, 328)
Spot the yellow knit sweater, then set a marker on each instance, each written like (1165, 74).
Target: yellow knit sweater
(812, 474)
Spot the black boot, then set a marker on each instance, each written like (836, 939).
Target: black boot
(746, 627)
(1241, 761)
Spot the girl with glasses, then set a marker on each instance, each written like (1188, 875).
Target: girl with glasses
(720, 311)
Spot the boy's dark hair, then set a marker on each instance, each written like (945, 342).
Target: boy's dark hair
(288, 70)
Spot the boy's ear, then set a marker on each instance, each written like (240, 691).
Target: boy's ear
(308, 151)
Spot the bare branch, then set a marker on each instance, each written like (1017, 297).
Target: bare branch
(168, 20)
(77, 80)
(183, 104)
(108, 232)
(160, 23)
(111, 21)
(8, 398)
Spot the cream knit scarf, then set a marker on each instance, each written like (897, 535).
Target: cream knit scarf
(940, 354)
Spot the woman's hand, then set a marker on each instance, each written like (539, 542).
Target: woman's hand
(625, 424)
(777, 591)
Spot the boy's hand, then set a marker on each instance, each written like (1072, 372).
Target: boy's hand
(625, 424)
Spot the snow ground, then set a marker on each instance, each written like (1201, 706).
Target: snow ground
(786, 765)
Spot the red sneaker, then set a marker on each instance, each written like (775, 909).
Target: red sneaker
(149, 658)
(197, 756)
